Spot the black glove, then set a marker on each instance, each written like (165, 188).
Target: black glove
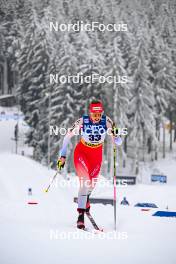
(61, 162)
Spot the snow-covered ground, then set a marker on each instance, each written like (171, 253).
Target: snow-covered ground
(45, 232)
(9, 118)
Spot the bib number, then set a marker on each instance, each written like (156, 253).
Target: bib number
(94, 137)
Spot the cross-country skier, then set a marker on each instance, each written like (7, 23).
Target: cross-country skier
(88, 152)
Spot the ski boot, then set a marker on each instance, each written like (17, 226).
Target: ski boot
(80, 221)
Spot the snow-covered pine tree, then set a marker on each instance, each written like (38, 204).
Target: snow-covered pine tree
(65, 94)
(33, 63)
(141, 107)
(168, 35)
(9, 41)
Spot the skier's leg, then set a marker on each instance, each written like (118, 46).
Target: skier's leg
(85, 182)
(87, 165)
(88, 172)
(81, 167)
(94, 169)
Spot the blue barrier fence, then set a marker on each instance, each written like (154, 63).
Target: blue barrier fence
(165, 214)
(158, 178)
(150, 205)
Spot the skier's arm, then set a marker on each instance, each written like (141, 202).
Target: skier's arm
(112, 131)
(74, 130)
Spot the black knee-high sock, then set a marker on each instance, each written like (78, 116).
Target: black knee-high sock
(88, 196)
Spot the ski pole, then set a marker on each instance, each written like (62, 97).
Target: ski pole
(60, 167)
(46, 190)
(114, 181)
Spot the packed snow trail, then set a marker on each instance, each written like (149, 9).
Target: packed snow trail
(45, 232)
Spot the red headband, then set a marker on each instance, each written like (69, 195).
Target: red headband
(96, 108)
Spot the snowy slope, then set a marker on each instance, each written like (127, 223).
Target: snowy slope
(28, 232)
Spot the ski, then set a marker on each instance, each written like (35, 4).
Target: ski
(85, 229)
(92, 231)
(93, 222)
